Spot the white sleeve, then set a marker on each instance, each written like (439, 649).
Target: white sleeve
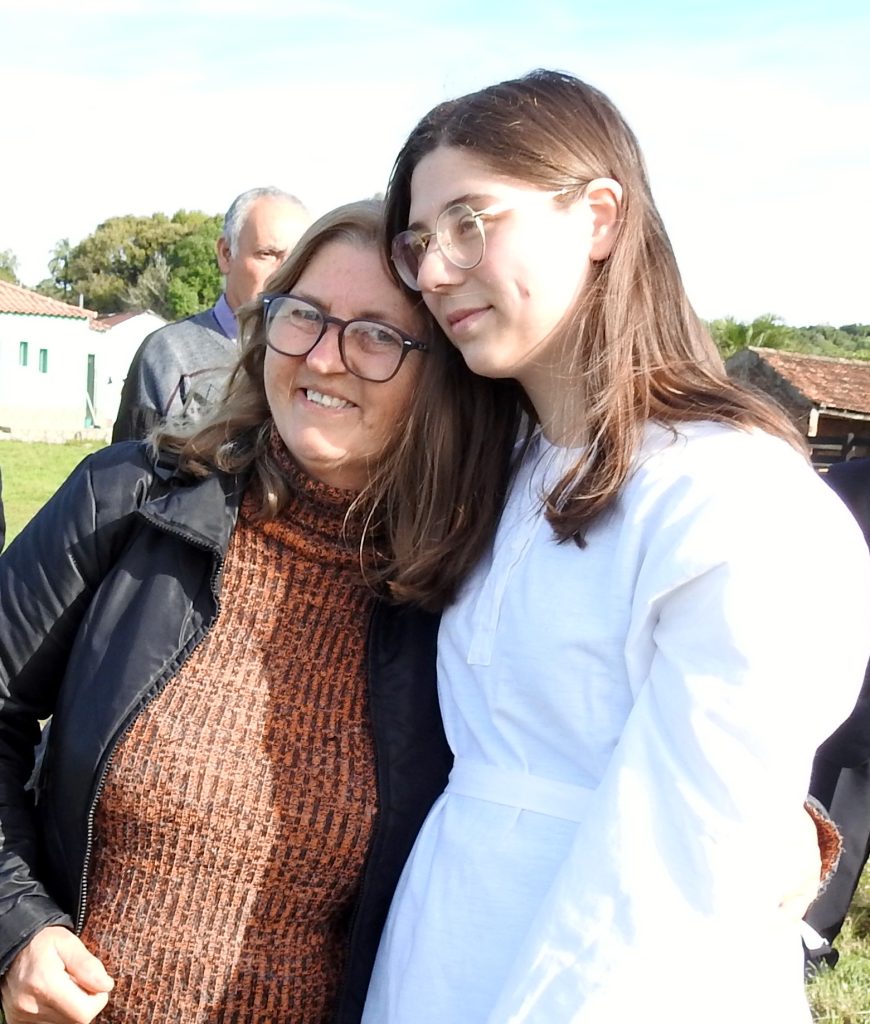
(748, 642)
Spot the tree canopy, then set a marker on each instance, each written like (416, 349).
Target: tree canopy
(166, 264)
(8, 266)
(852, 341)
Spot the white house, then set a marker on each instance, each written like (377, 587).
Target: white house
(121, 335)
(61, 367)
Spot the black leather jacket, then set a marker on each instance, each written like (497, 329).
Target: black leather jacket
(102, 597)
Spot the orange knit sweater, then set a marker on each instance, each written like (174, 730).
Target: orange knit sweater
(237, 812)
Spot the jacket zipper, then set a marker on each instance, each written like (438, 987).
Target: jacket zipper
(160, 685)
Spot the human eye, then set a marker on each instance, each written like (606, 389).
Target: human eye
(306, 316)
(465, 224)
(375, 337)
(300, 315)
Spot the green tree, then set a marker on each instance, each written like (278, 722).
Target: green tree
(766, 331)
(60, 284)
(195, 281)
(729, 335)
(107, 263)
(858, 330)
(850, 342)
(163, 263)
(8, 266)
(58, 267)
(770, 331)
(151, 290)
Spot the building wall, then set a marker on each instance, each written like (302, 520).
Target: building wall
(117, 347)
(838, 438)
(48, 399)
(832, 437)
(49, 392)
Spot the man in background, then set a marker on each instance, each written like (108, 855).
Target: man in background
(182, 367)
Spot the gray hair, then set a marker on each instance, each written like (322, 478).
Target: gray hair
(237, 214)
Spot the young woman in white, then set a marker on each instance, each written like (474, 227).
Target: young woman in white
(635, 679)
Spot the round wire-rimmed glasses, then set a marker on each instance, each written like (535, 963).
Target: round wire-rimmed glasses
(460, 235)
(370, 349)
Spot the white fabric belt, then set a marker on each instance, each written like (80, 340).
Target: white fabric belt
(518, 789)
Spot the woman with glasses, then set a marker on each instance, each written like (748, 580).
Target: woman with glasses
(635, 677)
(244, 727)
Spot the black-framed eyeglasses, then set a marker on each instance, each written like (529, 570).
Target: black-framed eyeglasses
(370, 349)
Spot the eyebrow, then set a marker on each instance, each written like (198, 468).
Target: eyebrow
(472, 199)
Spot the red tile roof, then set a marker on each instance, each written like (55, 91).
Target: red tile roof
(824, 380)
(113, 319)
(14, 299)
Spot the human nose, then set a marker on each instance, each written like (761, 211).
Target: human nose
(325, 356)
(435, 269)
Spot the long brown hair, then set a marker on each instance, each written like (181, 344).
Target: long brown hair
(442, 480)
(639, 350)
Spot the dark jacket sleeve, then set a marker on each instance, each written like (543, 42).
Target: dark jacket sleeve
(849, 745)
(48, 575)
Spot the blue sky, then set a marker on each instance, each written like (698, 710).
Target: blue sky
(755, 118)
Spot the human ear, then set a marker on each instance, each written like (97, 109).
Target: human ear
(603, 197)
(222, 248)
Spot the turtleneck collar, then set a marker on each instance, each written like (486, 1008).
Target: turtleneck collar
(315, 508)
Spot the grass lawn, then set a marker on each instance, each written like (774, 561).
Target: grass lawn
(31, 474)
(842, 995)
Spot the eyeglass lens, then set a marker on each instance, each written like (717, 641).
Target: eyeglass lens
(460, 237)
(368, 349)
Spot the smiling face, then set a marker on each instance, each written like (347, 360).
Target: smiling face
(335, 425)
(504, 313)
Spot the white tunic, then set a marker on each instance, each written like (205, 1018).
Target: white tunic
(634, 725)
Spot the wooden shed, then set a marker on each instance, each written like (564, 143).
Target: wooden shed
(828, 398)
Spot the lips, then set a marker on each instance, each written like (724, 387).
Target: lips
(461, 320)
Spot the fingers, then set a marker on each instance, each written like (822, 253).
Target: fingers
(54, 980)
(81, 965)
